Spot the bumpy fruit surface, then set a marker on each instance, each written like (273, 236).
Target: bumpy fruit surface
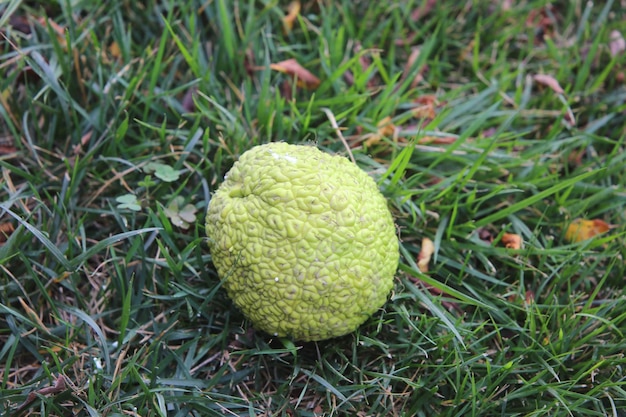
(303, 241)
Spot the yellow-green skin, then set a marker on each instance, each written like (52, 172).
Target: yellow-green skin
(303, 241)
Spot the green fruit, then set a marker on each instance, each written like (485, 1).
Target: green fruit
(303, 241)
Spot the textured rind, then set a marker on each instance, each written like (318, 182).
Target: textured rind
(303, 241)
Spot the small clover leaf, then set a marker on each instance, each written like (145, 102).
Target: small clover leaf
(147, 182)
(180, 217)
(150, 167)
(167, 173)
(128, 201)
(162, 171)
(188, 213)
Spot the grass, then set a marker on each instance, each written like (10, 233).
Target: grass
(116, 116)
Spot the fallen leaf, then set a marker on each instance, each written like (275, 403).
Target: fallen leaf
(543, 21)
(506, 5)
(58, 29)
(425, 108)
(489, 132)
(617, 44)
(27, 74)
(575, 157)
(485, 234)
(32, 314)
(115, 50)
(293, 10)
(423, 10)
(549, 81)
(286, 91)
(423, 258)
(450, 305)
(303, 77)
(419, 76)
(512, 241)
(62, 277)
(365, 63)
(6, 230)
(188, 102)
(349, 77)
(20, 23)
(582, 229)
(59, 387)
(430, 99)
(467, 53)
(84, 141)
(249, 62)
(7, 145)
(436, 140)
(569, 117)
(385, 127)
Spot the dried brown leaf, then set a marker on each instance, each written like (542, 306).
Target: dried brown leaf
(32, 314)
(60, 386)
(187, 102)
(617, 44)
(569, 117)
(349, 77)
(7, 145)
(485, 234)
(286, 90)
(115, 51)
(6, 230)
(58, 29)
(425, 108)
(543, 20)
(575, 157)
(506, 5)
(582, 229)
(489, 132)
(304, 78)
(84, 141)
(385, 127)
(20, 23)
(512, 241)
(436, 140)
(423, 10)
(424, 111)
(549, 81)
(293, 11)
(438, 293)
(365, 62)
(415, 53)
(423, 258)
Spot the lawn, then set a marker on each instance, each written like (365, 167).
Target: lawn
(496, 130)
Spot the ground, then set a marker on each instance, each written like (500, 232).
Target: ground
(495, 129)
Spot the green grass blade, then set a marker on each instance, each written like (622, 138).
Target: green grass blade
(527, 202)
